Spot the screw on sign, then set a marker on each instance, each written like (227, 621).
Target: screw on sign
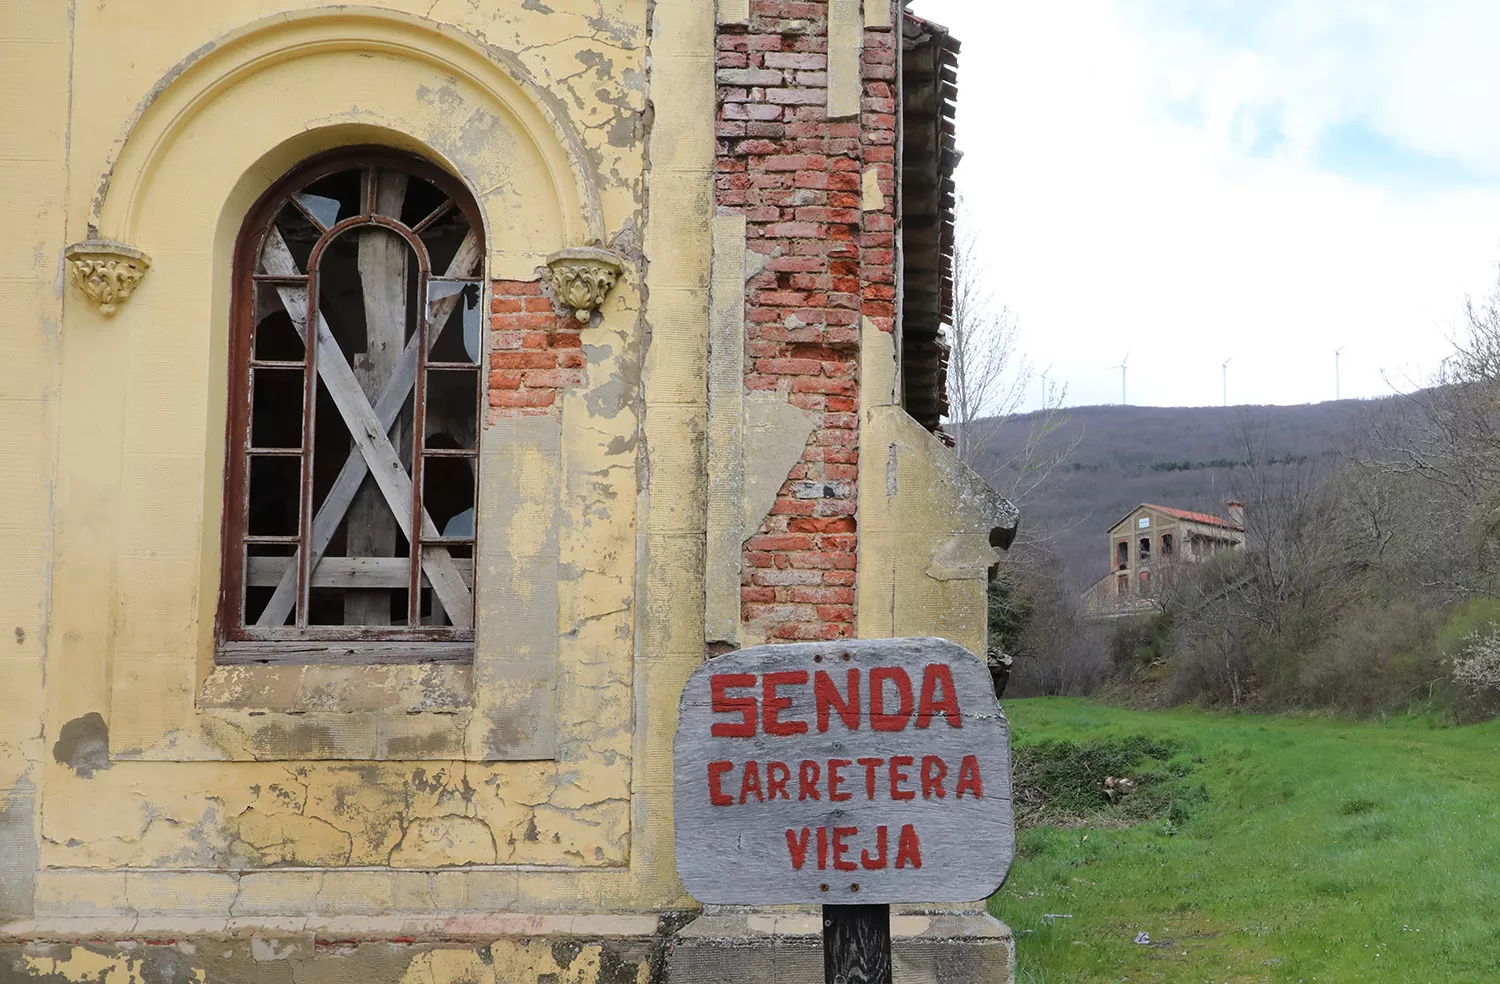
(852, 774)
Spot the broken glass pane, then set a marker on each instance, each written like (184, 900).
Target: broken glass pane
(276, 409)
(275, 485)
(276, 338)
(299, 233)
(452, 409)
(345, 188)
(422, 199)
(455, 321)
(325, 211)
(448, 492)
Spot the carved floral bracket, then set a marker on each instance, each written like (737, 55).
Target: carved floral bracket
(106, 271)
(582, 276)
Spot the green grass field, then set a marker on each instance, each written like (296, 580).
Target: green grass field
(1274, 849)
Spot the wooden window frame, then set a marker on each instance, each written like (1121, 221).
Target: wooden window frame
(236, 642)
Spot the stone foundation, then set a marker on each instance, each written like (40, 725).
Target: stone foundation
(506, 949)
(723, 946)
(733, 943)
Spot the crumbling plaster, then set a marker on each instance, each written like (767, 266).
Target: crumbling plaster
(303, 959)
(930, 528)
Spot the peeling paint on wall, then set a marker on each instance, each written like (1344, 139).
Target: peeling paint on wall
(577, 960)
(83, 745)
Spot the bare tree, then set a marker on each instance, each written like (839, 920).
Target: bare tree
(1034, 615)
(1438, 450)
(988, 378)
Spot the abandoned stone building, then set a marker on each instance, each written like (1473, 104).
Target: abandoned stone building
(1150, 542)
(399, 402)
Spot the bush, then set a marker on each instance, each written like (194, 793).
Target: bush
(1035, 617)
(1381, 656)
(1138, 641)
(1061, 783)
(1214, 656)
(1473, 615)
(1476, 669)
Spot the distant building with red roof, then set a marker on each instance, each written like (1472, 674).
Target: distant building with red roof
(1149, 541)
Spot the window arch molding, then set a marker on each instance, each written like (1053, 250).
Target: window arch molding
(479, 88)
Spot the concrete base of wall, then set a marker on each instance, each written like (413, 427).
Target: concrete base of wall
(725, 945)
(728, 945)
(499, 949)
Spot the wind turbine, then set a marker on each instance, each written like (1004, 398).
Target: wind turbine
(1336, 371)
(1121, 367)
(1044, 384)
(1225, 367)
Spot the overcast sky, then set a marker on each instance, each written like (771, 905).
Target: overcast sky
(1267, 180)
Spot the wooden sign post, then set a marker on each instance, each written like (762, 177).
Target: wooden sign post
(851, 774)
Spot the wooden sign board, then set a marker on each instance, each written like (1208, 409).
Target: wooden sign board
(870, 771)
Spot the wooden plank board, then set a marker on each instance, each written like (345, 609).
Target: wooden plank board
(341, 493)
(391, 477)
(382, 258)
(857, 944)
(343, 572)
(795, 783)
(369, 436)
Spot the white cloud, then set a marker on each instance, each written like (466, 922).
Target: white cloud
(1108, 163)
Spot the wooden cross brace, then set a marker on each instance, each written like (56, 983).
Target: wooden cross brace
(369, 428)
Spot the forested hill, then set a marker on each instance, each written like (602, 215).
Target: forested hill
(1189, 457)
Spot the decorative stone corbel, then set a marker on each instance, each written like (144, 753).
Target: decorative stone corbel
(106, 271)
(582, 276)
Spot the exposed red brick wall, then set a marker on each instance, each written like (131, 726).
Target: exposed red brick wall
(795, 175)
(534, 353)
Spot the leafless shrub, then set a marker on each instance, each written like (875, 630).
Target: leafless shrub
(1036, 617)
(1439, 448)
(1377, 657)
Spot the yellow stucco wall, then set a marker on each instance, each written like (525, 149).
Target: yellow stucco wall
(33, 140)
(926, 519)
(180, 115)
(138, 778)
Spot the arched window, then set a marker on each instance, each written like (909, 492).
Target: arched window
(1145, 548)
(1168, 545)
(1122, 555)
(354, 389)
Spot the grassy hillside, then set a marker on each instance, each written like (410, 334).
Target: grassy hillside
(1176, 456)
(1256, 849)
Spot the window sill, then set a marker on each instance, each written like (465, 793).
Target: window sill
(312, 653)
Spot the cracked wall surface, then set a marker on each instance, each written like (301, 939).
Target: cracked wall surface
(931, 529)
(304, 960)
(505, 820)
(140, 762)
